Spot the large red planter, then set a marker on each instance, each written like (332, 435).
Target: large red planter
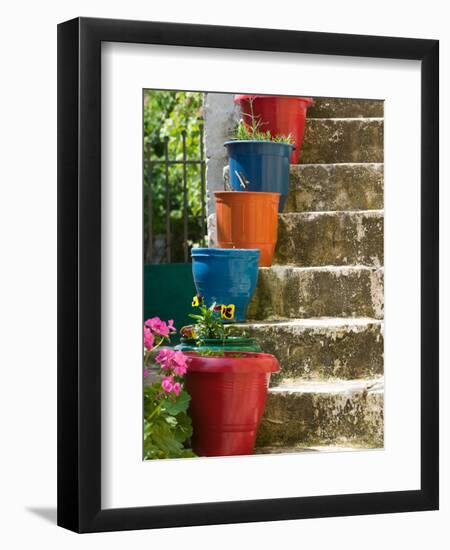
(281, 115)
(228, 395)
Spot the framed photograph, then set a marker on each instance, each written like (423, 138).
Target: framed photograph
(248, 275)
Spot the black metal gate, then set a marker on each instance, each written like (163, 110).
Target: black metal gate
(167, 163)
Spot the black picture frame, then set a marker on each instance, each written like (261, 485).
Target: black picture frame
(79, 274)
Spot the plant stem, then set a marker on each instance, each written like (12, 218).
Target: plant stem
(156, 411)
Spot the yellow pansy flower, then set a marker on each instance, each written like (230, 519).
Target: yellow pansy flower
(227, 312)
(188, 332)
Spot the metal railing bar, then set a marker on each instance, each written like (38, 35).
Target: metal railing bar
(185, 201)
(166, 156)
(149, 252)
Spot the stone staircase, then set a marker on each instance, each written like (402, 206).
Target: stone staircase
(319, 308)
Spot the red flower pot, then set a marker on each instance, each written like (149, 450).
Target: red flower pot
(281, 115)
(228, 395)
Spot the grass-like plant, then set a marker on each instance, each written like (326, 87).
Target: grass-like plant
(253, 131)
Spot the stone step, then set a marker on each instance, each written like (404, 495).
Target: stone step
(333, 140)
(285, 292)
(345, 446)
(305, 413)
(334, 107)
(324, 187)
(330, 348)
(330, 238)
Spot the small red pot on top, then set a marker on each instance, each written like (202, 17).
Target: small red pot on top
(228, 396)
(281, 115)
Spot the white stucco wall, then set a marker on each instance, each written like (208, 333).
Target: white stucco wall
(221, 116)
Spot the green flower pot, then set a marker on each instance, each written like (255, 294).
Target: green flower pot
(232, 343)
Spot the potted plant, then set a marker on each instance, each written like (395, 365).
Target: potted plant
(210, 333)
(248, 219)
(228, 393)
(167, 425)
(259, 161)
(226, 276)
(281, 115)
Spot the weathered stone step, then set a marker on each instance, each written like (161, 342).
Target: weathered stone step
(333, 140)
(341, 446)
(334, 107)
(328, 348)
(285, 292)
(324, 187)
(330, 238)
(306, 413)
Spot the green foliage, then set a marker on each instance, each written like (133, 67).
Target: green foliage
(166, 115)
(167, 426)
(245, 133)
(208, 323)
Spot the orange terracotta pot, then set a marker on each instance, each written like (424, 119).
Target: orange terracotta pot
(248, 219)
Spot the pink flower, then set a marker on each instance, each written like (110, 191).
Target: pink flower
(167, 384)
(157, 326)
(165, 357)
(170, 326)
(149, 339)
(179, 363)
(180, 370)
(176, 388)
(146, 372)
(179, 358)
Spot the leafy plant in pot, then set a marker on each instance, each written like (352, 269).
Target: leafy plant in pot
(210, 334)
(259, 160)
(167, 425)
(227, 384)
(282, 115)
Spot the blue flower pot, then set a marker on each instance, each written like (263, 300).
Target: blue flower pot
(226, 276)
(262, 165)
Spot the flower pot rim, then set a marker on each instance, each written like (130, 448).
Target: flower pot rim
(258, 142)
(234, 339)
(245, 362)
(271, 194)
(242, 97)
(225, 252)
